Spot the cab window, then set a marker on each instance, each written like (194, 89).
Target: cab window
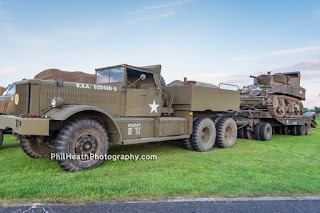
(110, 76)
(11, 90)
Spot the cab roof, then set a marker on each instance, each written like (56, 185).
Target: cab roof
(154, 69)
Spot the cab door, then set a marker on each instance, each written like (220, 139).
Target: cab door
(145, 101)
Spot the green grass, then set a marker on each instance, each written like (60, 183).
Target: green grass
(284, 166)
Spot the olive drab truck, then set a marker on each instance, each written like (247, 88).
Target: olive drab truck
(127, 105)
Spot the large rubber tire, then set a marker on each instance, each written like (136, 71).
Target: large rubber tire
(204, 134)
(257, 131)
(294, 130)
(34, 148)
(308, 129)
(284, 130)
(240, 133)
(187, 144)
(265, 132)
(247, 134)
(301, 130)
(83, 136)
(226, 133)
(1, 137)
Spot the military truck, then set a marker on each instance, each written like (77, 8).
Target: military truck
(127, 105)
(7, 106)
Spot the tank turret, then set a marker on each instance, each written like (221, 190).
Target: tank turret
(279, 93)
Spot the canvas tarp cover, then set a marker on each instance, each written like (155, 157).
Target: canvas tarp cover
(54, 74)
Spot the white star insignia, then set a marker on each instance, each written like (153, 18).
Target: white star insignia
(154, 107)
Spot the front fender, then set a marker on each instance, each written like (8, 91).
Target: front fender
(66, 111)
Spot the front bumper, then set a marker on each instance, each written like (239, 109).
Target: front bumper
(25, 126)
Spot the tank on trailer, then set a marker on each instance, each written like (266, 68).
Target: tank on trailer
(279, 93)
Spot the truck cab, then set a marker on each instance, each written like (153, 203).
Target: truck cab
(140, 85)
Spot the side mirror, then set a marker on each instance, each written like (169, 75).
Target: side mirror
(143, 77)
(59, 82)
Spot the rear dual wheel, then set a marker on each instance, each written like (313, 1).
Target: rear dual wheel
(263, 131)
(226, 133)
(205, 134)
(299, 130)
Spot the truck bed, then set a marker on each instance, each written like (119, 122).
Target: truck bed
(199, 98)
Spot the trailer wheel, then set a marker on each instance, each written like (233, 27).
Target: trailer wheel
(226, 133)
(240, 133)
(284, 130)
(294, 130)
(308, 129)
(83, 137)
(1, 137)
(35, 148)
(257, 131)
(301, 130)
(187, 144)
(204, 134)
(247, 134)
(265, 132)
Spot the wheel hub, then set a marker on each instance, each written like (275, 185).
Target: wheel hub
(206, 135)
(86, 145)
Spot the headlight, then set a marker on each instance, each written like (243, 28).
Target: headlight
(54, 102)
(57, 102)
(16, 99)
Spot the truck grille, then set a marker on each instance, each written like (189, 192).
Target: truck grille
(23, 106)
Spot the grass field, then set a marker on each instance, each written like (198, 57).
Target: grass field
(284, 166)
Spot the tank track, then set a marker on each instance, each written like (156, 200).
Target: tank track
(284, 106)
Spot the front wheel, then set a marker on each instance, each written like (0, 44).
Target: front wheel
(86, 140)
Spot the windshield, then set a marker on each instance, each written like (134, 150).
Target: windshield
(11, 90)
(110, 76)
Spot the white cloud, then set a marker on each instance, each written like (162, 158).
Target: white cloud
(288, 52)
(168, 14)
(154, 7)
(306, 65)
(245, 58)
(294, 51)
(7, 69)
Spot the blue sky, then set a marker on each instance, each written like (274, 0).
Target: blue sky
(210, 41)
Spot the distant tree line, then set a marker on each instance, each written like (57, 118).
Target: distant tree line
(315, 109)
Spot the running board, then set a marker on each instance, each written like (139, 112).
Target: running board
(147, 140)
